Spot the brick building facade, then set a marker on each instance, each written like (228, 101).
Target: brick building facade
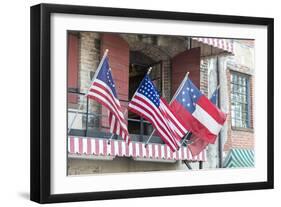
(171, 57)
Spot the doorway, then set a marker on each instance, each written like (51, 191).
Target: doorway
(139, 65)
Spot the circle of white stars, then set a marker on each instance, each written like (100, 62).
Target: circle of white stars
(110, 81)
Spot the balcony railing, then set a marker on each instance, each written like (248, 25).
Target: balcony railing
(89, 120)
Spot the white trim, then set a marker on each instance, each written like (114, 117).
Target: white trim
(85, 145)
(76, 144)
(61, 183)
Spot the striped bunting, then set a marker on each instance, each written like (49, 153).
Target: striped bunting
(222, 44)
(99, 147)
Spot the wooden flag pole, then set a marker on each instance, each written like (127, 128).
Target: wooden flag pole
(147, 73)
(174, 96)
(180, 87)
(149, 70)
(94, 77)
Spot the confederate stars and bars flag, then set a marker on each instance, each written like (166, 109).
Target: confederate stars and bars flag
(200, 115)
(197, 144)
(103, 90)
(147, 103)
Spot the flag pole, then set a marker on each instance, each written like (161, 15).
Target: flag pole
(173, 98)
(147, 73)
(98, 69)
(185, 137)
(180, 87)
(149, 70)
(94, 77)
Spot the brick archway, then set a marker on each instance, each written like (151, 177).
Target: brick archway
(156, 54)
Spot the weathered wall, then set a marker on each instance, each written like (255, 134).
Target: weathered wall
(212, 152)
(242, 62)
(210, 66)
(89, 58)
(119, 165)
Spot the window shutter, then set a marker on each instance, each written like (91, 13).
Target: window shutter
(187, 61)
(119, 63)
(72, 64)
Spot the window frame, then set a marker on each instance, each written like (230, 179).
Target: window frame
(248, 92)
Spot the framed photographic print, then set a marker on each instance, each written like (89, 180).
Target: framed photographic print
(133, 103)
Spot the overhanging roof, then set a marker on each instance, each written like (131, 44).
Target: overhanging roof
(213, 46)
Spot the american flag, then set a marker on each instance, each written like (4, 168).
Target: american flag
(147, 103)
(173, 120)
(103, 91)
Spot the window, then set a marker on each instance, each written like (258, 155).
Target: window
(240, 113)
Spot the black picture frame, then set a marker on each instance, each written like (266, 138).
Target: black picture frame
(41, 96)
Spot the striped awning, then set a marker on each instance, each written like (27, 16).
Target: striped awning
(239, 158)
(95, 148)
(224, 45)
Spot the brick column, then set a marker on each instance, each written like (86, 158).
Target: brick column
(166, 78)
(89, 61)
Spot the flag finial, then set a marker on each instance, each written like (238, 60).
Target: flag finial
(149, 70)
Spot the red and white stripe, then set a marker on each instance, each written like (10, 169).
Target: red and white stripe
(102, 93)
(99, 147)
(175, 124)
(145, 108)
(210, 117)
(223, 44)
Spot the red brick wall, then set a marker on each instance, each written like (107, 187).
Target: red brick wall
(188, 60)
(119, 62)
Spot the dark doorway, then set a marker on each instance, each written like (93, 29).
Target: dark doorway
(139, 65)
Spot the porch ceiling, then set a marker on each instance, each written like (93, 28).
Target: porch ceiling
(165, 47)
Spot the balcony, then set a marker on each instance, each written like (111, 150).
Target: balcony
(89, 138)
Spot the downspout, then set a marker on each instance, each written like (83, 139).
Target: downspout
(220, 147)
